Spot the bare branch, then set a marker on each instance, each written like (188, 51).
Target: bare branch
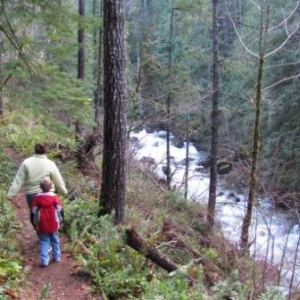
(239, 37)
(283, 65)
(285, 23)
(5, 82)
(286, 19)
(286, 40)
(258, 7)
(281, 81)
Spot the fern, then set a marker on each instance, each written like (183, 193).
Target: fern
(272, 293)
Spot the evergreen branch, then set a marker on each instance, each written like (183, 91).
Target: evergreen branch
(13, 40)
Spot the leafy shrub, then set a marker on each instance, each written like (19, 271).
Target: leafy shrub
(272, 293)
(23, 134)
(11, 271)
(101, 250)
(231, 288)
(175, 289)
(7, 169)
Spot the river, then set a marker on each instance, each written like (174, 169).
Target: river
(274, 234)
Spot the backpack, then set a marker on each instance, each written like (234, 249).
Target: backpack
(46, 216)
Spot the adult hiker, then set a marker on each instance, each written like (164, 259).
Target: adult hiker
(32, 171)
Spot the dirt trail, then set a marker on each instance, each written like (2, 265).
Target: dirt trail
(60, 278)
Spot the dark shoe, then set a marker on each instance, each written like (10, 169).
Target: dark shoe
(56, 260)
(44, 266)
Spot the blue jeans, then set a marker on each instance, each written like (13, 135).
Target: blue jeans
(44, 240)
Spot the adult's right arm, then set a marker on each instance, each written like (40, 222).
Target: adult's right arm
(18, 182)
(58, 181)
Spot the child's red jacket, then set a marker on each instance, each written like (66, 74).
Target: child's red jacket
(47, 213)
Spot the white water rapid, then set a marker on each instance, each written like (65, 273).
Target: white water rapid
(274, 234)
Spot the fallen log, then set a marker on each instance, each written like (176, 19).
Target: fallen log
(135, 241)
(212, 272)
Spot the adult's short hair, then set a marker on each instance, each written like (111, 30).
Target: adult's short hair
(40, 149)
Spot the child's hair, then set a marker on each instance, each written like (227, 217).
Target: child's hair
(46, 184)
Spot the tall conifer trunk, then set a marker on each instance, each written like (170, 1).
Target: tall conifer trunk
(256, 135)
(214, 121)
(112, 195)
(80, 63)
(255, 151)
(1, 82)
(98, 42)
(170, 49)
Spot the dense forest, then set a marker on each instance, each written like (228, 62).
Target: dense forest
(39, 48)
(82, 75)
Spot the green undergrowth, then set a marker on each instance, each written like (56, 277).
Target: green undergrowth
(206, 264)
(11, 270)
(118, 271)
(22, 130)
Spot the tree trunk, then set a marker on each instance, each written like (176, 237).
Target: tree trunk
(255, 151)
(81, 40)
(80, 62)
(214, 121)
(112, 194)
(1, 82)
(256, 137)
(140, 106)
(135, 241)
(98, 42)
(169, 100)
(187, 154)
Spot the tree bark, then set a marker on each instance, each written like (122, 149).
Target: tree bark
(1, 84)
(135, 241)
(214, 121)
(112, 196)
(98, 42)
(169, 177)
(187, 154)
(80, 60)
(252, 185)
(256, 140)
(81, 40)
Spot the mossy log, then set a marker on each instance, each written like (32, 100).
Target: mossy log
(135, 241)
(212, 272)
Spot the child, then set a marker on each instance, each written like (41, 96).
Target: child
(47, 215)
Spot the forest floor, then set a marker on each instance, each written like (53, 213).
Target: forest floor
(59, 280)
